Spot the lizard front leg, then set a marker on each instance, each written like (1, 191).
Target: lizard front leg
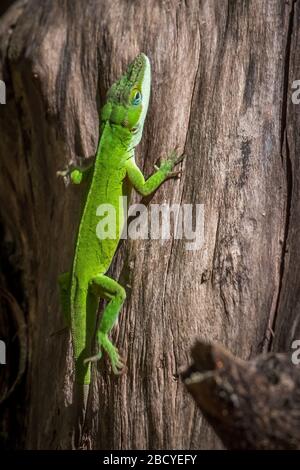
(77, 173)
(107, 288)
(147, 187)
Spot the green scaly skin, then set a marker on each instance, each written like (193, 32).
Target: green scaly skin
(122, 121)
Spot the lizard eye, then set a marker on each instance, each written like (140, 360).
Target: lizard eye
(137, 98)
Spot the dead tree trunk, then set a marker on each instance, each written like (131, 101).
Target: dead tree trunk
(222, 74)
(250, 404)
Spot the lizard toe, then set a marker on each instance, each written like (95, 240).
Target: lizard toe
(94, 358)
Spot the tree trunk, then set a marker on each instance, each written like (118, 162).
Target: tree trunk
(221, 84)
(250, 404)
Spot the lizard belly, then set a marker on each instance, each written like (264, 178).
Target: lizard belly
(94, 251)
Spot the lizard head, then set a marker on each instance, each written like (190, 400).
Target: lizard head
(128, 99)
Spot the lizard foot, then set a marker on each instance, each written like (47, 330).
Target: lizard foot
(168, 164)
(175, 174)
(116, 361)
(94, 358)
(65, 174)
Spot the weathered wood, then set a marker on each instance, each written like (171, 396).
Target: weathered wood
(250, 404)
(219, 92)
(287, 321)
(5, 4)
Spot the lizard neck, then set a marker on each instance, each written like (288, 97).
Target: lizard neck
(114, 139)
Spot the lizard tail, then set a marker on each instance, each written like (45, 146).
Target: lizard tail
(82, 326)
(81, 335)
(86, 389)
(80, 402)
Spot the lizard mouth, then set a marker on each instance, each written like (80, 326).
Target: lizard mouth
(136, 69)
(134, 130)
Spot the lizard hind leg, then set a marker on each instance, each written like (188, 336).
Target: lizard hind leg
(107, 288)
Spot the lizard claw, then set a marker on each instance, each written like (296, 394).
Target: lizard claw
(175, 174)
(179, 159)
(173, 159)
(94, 358)
(117, 363)
(65, 174)
(118, 366)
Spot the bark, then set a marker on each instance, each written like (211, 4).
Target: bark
(251, 404)
(222, 73)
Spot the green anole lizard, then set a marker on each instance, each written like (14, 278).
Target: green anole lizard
(112, 175)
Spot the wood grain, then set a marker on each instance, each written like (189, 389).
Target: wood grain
(219, 92)
(250, 404)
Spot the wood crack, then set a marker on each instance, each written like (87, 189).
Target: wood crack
(285, 157)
